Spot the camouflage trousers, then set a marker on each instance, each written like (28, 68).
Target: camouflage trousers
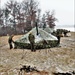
(10, 45)
(32, 46)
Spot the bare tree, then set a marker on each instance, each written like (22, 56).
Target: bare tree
(23, 16)
(1, 17)
(6, 11)
(50, 19)
(39, 17)
(30, 8)
(44, 21)
(12, 7)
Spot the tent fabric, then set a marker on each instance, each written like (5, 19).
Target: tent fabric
(49, 30)
(43, 35)
(42, 40)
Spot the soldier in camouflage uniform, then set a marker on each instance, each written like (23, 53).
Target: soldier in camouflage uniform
(32, 41)
(10, 40)
(58, 36)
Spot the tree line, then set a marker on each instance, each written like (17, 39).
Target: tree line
(20, 17)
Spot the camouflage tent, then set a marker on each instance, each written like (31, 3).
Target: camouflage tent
(42, 40)
(49, 30)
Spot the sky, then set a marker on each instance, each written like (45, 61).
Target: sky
(64, 10)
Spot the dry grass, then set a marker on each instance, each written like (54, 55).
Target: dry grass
(45, 59)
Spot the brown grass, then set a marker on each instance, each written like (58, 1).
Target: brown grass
(45, 59)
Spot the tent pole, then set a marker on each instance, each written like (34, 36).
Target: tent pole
(36, 28)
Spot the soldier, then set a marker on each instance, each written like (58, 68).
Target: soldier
(58, 37)
(32, 41)
(10, 40)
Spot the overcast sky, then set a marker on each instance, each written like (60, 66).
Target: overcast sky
(64, 9)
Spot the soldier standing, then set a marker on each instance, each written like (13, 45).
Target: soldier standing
(10, 40)
(58, 37)
(32, 41)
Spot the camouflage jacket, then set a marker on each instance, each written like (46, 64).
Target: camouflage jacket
(31, 38)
